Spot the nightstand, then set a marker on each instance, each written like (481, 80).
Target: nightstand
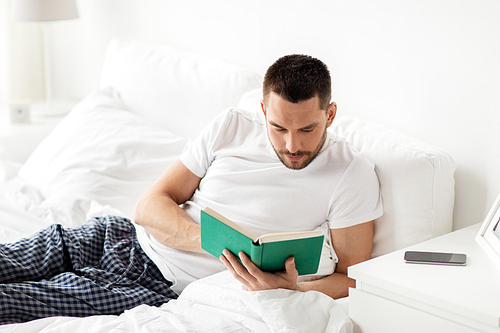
(393, 296)
(18, 140)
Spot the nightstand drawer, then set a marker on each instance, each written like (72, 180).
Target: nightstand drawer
(375, 314)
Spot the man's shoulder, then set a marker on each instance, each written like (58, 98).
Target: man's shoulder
(233, 126)
(232, 120)
(245, 116)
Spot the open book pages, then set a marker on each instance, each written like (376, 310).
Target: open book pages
(268, 238)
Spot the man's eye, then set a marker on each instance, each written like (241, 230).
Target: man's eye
(281, 129)
(308, 130)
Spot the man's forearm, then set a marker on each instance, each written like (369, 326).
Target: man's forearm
(168, 223)
(336, 285)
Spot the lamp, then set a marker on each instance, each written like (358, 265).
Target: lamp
(45, 11)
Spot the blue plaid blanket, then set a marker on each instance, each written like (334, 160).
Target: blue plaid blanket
(95, 269)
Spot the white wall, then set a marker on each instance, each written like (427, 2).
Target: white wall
(4, 59)
(428, 68)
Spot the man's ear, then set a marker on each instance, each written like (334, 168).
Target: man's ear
(262, 106)
(331, 113)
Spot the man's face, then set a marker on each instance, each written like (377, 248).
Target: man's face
(297, 131)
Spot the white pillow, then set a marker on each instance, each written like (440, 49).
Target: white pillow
(101, 152)
(416, 179)
(181, 91)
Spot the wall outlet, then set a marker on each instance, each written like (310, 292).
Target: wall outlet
(20, 112)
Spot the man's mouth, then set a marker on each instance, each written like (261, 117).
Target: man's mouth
(294, 158)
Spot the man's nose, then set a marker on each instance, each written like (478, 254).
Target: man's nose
(293, 143)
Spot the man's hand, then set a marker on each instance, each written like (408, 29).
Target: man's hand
(254, 279)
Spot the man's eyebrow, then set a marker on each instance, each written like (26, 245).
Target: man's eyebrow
(310, 126)
(272, 123)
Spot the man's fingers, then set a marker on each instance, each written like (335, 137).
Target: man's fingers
(253, 278)
(290, 265)
(237, 269)
(227, 259)
(253, 270)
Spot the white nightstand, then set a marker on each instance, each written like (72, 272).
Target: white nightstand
(18, 140)
(393, 296)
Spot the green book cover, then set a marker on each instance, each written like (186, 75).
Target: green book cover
(268, 252)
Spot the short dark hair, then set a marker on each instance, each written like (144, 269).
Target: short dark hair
(297, 78)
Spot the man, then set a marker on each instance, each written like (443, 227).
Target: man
(271, 172)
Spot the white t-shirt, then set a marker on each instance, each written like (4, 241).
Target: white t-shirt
(243, 179)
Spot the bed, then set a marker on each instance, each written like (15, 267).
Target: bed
(111, 147)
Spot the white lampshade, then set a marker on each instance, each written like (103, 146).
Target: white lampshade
(44, 10)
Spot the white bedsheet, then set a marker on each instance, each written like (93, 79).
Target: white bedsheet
(23, 210)
(213, 304)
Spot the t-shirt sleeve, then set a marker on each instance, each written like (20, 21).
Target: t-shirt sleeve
(201, 152)
(357, 197)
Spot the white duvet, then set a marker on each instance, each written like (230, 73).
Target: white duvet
(217, 303)
(214, 304)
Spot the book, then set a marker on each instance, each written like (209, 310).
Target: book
(268, 252)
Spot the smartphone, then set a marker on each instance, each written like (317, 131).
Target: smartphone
(436, 258)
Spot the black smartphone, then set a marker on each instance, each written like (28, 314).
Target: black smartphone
(436, 258)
